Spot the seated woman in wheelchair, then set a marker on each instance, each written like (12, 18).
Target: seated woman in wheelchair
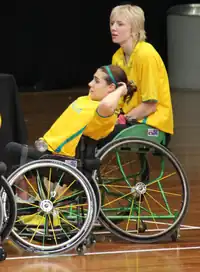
(93, 116)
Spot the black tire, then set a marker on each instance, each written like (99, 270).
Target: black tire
(11, 204)
(1, 216)
(3, 254)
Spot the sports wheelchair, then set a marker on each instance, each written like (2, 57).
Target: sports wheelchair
(7, 219)
(134, 186)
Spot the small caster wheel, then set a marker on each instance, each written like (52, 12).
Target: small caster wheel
(175, 235)
(81, 249)
(90, 241)
(3, 254)
(142, 227)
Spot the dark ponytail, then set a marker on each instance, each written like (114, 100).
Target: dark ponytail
(115, 74)
(131, 90)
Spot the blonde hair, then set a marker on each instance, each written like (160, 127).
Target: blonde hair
(134, 15)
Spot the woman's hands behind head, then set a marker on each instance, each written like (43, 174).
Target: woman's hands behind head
(122, 88)
(127, 90)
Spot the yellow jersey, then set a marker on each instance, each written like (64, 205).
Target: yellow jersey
(80, 118)
(146, 68)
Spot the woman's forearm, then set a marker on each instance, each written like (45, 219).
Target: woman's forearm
(109, 103)
(143, 110)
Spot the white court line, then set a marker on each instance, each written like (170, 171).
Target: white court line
(189, 227)
(106, 253)
(150, 230)
(161, 223)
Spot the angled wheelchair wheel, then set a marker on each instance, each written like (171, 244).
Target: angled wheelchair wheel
(8, 214)
(9, 208)
(1, 215)
(144, 190)
(56, 207)
(3, 253)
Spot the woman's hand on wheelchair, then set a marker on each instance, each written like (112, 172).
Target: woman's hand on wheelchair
(121, 119)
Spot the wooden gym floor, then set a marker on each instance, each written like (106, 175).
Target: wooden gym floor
(113, 254)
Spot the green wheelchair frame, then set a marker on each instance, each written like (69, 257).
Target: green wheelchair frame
(141, 131)
(144, 134)
(139, 139)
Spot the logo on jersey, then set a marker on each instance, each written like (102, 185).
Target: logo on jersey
(75, 108)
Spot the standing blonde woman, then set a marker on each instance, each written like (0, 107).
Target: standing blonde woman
(151, 104)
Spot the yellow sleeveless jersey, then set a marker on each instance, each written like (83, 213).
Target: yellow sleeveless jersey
(79, 118)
